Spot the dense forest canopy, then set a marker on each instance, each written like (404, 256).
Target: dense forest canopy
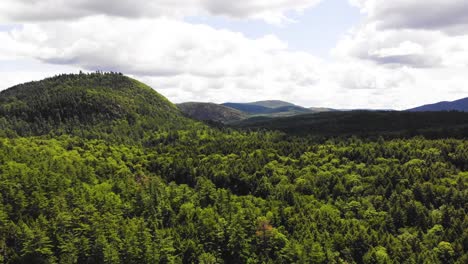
(367, 124)
(99, 168)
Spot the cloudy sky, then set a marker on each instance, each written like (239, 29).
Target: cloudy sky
(336, 53)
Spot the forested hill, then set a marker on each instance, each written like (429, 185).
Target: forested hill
(211, 112)
(85, 103)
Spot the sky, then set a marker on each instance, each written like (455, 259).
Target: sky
(372, 54)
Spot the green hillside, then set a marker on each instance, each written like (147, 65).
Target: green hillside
(81, 104)
(269, 108)
(99, 168)
(211, 112)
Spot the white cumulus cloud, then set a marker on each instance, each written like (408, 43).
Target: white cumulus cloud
(185, 60)
(272, 11)
(445, 15)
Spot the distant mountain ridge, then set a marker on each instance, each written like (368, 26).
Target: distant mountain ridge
(248, 108)
(233, 112)
(211, 112)
(273, 108)
(272, 103)
(457, 105)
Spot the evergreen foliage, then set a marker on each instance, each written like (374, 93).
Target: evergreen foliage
(98, 186)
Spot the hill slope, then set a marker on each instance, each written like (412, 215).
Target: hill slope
(458, 105)
(322, 109)
(288, 111)
(272, 108)
(83, 102)
(249, 108)
(272, 103)
(212, 112)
